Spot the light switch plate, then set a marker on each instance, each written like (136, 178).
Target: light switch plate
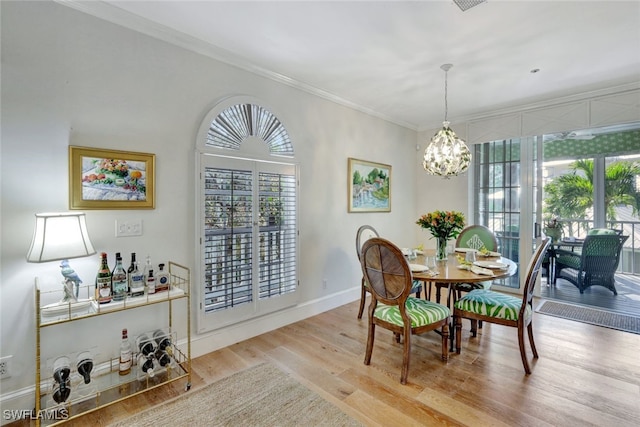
(129, 228)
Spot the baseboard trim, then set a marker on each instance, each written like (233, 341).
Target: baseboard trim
(22, 399)
(221, 338)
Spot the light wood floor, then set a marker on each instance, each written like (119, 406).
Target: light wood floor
(585, 376)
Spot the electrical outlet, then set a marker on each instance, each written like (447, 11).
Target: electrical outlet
(324, 283)
(5, 367)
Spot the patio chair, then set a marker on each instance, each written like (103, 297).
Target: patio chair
(388, 274)
(594, 264)
(502, 309)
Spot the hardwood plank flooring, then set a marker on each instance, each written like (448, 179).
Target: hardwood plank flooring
(585, 376)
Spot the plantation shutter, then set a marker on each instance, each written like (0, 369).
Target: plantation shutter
(249, 246)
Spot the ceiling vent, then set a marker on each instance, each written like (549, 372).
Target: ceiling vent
(468, 4)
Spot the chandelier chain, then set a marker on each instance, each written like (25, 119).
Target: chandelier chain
(446, 105)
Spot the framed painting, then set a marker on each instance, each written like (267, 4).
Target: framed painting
(369, 186)
(110, 179)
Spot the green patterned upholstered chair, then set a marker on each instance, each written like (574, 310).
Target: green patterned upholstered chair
(477, 236)
(390, 281)
(496, 307)
(594, 264)
(474, 237)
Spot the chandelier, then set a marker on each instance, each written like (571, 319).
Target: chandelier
(447, 155)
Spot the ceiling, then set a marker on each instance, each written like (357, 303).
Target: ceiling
(384, 57)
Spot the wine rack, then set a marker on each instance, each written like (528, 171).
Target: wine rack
(107, 386)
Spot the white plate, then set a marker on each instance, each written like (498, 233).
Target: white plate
(465, 250)
(417, 268)
(491, 264)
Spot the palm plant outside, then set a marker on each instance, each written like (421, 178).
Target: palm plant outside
(570, 196)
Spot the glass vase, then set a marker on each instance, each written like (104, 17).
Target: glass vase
(441, 248)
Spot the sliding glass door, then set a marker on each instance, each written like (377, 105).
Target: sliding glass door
(507, 197)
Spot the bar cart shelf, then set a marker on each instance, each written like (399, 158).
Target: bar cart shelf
(107, 386)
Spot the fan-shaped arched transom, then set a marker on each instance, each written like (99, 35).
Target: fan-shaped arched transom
(233, 125)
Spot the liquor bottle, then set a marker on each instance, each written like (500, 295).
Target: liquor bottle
(126, 359)
(147, 267)
(85, 366)
(130, 268)
(103, 281)
(151, 282)
(119, 284)
(162, 279)
(145, 345)
(145, 365)
(137, 281)
(114, 267)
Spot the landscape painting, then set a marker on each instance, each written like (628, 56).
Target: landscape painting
(369, 186)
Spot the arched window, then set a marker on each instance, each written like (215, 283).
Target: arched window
(247, 214)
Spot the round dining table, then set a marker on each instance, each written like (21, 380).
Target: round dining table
(450, 272)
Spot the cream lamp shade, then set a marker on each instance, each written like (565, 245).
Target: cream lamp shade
(60, 236)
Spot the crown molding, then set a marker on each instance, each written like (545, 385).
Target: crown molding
(115, 15)
(552, 102)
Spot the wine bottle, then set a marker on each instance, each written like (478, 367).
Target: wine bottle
(119, 282)
(162, 357)
(162, 279)
(85, 366)
(145, 364)
(103, 281)
(151, 282)
(61, 373)
(126, 359)
(137, 281)
(162, 339)
(145, 345)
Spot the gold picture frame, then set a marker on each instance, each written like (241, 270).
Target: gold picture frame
(369, 185)
(111, 179)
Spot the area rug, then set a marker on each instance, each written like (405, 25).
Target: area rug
(259, 396)
(591, 315)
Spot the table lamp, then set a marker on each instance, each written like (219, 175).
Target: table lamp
(60, 237)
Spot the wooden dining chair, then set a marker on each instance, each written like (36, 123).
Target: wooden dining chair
(363, 234)
(495, 307)
(390, 282)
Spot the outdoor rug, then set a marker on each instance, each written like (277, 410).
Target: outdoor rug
(591, 315)
(262, 395)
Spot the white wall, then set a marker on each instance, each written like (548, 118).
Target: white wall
(72, 79)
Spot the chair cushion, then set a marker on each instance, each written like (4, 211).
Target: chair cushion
(570, 260)
(420, 311)
(571, 274)
(493, 304)
(601, 231)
